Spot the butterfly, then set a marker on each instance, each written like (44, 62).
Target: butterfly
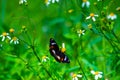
(57, 53)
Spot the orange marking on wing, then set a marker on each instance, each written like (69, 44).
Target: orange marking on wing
(61, 59)
(51, 47)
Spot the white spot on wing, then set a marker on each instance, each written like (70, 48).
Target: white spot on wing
(58, 57)
(53, 43)
(53, 52)
(65, 58)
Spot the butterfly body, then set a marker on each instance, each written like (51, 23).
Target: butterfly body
(56, 52)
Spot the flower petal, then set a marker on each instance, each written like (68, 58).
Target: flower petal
(93, 72)
(9, 37)
(53, 1)
(17, 42)
(14, 42)
(88, 17)
(93, 18)
(100, 76)
(11, 41)
(57, 0)
(83, 4)
(96, 77)
(79, 75)
(76, 78)
(96, 15)
(3, 38)
(108, 16)
(87, 3)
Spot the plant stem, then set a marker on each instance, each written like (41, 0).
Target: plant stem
(78, 59)
(40, 61)
(35, 53)
(82, 70)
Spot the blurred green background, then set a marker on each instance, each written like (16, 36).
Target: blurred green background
(98, 49)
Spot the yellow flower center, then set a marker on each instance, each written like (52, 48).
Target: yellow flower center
(111, 14)
(63, 50)
(80, 32)
(70, 11)
(11, 30)
(4, 34)
(74, 75)
(46, 1)
(23, 27)
(44, 57)
(90, 26)
(14, 38)
(84, 0)
(92, 14)
(96, 73)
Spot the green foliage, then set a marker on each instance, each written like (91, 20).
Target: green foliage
(90, 45)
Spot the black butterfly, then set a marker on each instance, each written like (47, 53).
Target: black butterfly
(56, 52)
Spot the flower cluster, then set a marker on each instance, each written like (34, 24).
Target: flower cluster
(111, 16)
(96, 74)
(47, 2)
(6, 35)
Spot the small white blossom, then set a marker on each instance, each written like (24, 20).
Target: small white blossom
(15, 40)
(112, 16)
(47, 2)
(97, 74)
(92, 15)
(5, 35)
(45, 58)
(85, 2)
(75, 76)
(81, 32)
(22, 1)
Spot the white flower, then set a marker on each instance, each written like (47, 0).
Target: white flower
(5, 35)
(85, 2)
(112, 16)
(92, 15)
(22, 1)
(97, 74)
(81, 32)
(15, 40)
(47, 2)
(75, 76)
(45, 58)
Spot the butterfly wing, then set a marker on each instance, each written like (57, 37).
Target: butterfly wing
(53, 47)
(56, 53)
